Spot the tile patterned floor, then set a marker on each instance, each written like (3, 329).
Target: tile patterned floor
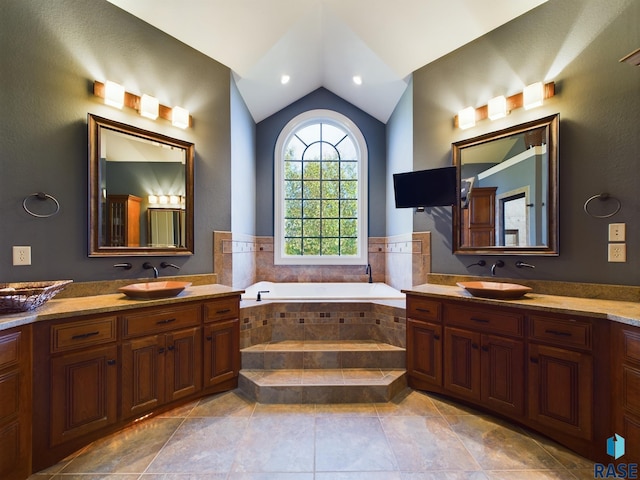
(414, 437)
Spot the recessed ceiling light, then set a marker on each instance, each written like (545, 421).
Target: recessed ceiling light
(284, 79)
(357, 79)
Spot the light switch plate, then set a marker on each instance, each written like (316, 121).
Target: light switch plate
(617, 232)
(617, 252)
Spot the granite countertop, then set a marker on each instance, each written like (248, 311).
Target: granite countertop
(88, 305)
(615, 310)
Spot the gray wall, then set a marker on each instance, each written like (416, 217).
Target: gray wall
(577, 44)
(399, 159)
(243, 161)
(267, 132)
(51, 54)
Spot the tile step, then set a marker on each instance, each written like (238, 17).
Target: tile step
(332, 354)
(347, 385)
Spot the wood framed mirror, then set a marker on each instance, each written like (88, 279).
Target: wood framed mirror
(133, 175)
(507, 200)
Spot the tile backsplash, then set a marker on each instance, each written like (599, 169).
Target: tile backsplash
(400, 261)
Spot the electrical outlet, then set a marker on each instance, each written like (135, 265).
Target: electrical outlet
(617, 252)
(22, 255)
(617, 232)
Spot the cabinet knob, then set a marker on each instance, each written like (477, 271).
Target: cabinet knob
(171, 347)
(485, 348)
(474, 346)
(533, 360)
(111, 362)
(161, 350)
(209, 338)
(436, 337)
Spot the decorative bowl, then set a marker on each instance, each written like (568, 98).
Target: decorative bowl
(154, 289)
(24, 296)
(496, 290)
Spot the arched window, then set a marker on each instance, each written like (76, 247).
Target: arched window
(320, 191)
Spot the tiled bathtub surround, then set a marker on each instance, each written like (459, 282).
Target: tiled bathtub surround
(400, 261)
(278, 321)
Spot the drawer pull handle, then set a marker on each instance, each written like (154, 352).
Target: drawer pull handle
(558, 333)
(84, 335)
(220, 312)
(168, 320)
(111, 362)
(425, 310)
(533, 360)
(479, 320)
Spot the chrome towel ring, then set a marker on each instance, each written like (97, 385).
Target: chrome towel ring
(43, 197)
(602, 197)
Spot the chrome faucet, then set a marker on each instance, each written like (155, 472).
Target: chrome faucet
(148, 266)
(172, 265)
(521, 264)
(499, 263)
(368, 271)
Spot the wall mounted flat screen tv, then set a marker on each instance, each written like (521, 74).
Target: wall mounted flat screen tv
(425, 188)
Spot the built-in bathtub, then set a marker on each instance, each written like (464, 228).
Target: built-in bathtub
(322, 311)
(307, 291)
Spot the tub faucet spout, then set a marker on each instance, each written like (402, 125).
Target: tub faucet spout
(259, 297)
(148, 266)
(368, 271)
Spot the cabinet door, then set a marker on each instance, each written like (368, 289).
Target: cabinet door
(424, 351)
(503, 374)
(221, 351)
(462, 360)
(84, 393)
(561, 389)
(143, 374)
(183, 363)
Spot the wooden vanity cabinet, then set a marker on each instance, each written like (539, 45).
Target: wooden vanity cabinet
(15, 406)
(561, 374)
(537, 369)
(84, 377)
(424, 343)
(484, 357)
(221, 344)
(96, 374)
(162, 367)
(626, 374)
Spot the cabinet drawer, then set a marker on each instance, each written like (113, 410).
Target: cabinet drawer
(223, 309)
(571, 333)
(10, 349)
(423, 309)
(485, 320)
(631, 345)
(159, 320)
(71, 335)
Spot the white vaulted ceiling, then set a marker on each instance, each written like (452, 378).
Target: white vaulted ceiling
(324, 43)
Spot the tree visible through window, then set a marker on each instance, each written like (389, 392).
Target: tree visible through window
(321, 194)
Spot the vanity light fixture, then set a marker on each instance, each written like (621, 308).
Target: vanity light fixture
(144, 105)
(114, 94)
(180, 117)
(163, 200)
(153, 199)
(497, 107)
(149, 106)
(174, 199)
(467, 118)
(532, 96)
